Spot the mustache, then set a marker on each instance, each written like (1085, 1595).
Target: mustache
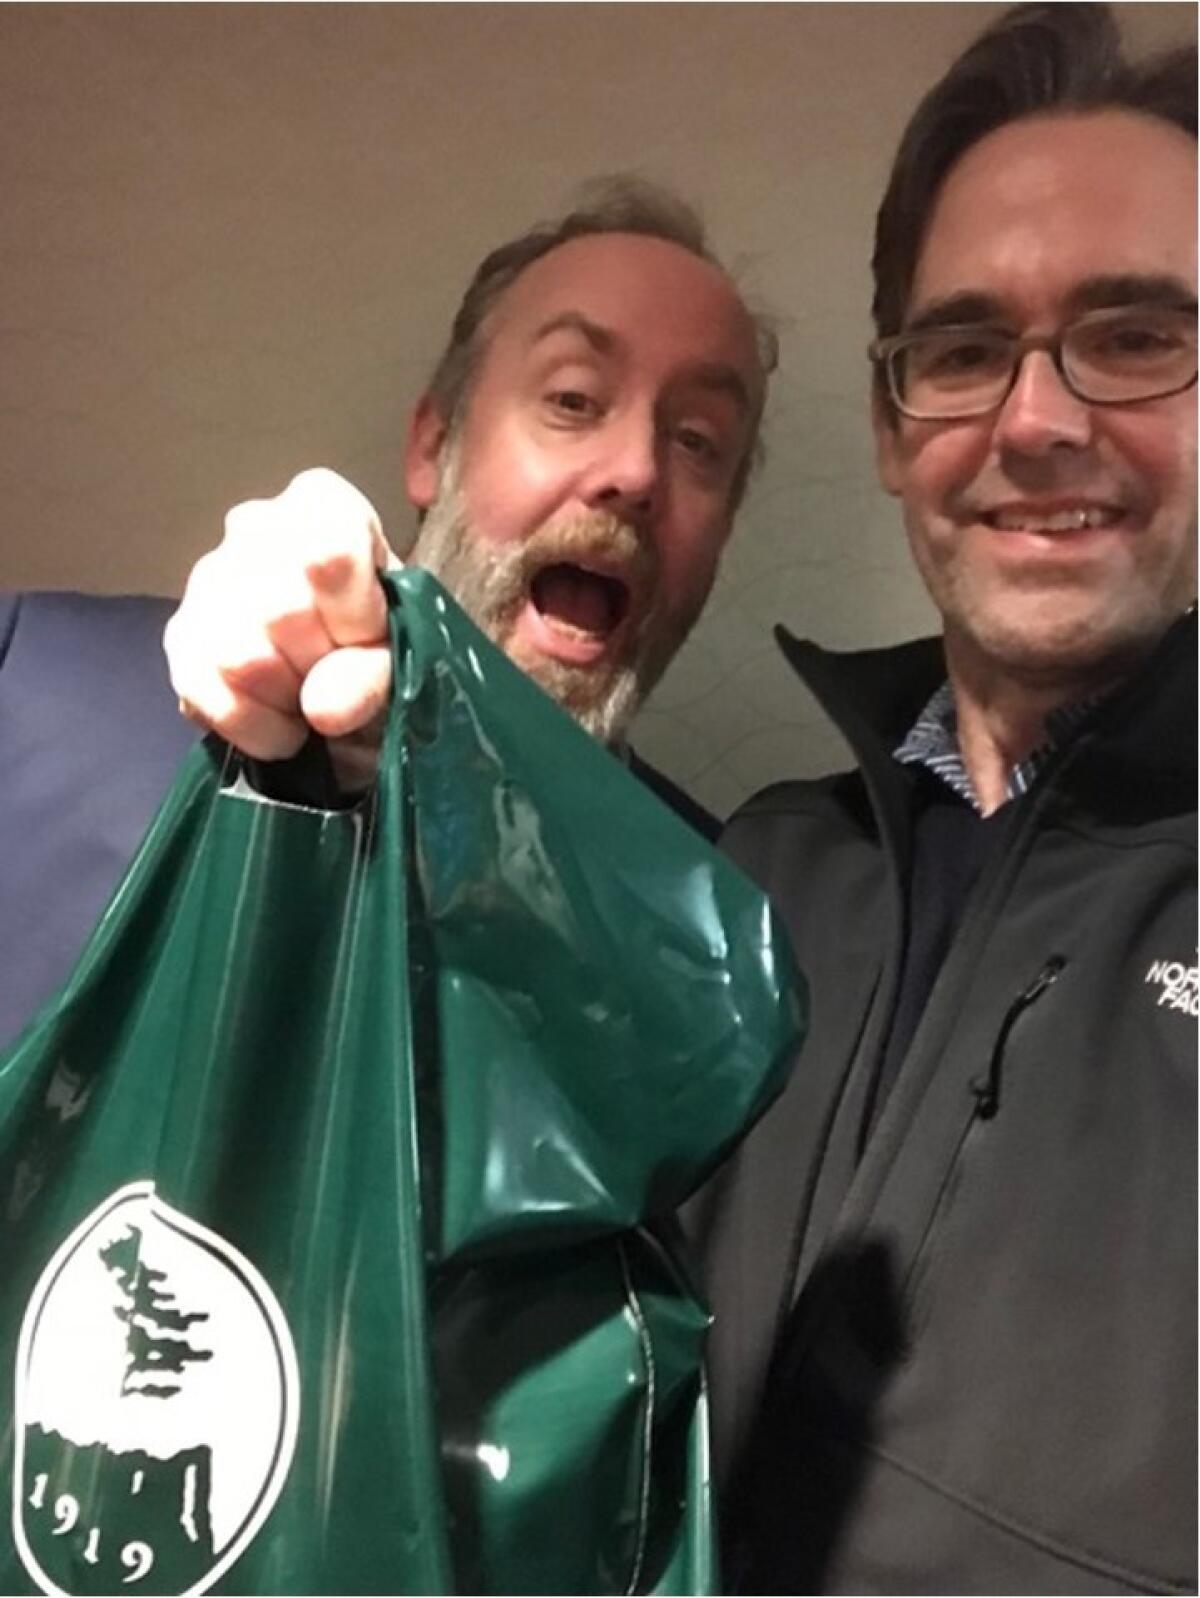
(597, 541)
(489, 572)
(493, 580)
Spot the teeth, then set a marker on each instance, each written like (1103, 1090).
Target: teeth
(1059, 521)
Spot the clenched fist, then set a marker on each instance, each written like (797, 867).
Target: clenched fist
(283, 627)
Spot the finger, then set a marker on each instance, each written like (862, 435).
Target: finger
(193, 713)
(256, 729)
(347, 690)
(293, 624)
(258, 572)
(213, 638)
(344, 548)
(253, 668)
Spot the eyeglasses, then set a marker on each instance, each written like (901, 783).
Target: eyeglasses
(1109, 357)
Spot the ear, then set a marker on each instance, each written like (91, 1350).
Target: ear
(886, 426)
(427, 430)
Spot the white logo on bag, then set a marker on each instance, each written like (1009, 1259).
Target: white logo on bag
(157, 1403)
(1178, 985)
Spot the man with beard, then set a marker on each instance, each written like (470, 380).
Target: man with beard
(953, 1269)
(577, 462)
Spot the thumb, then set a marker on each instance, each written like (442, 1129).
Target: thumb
(346, 689)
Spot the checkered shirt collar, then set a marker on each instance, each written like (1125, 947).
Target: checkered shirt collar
(932, 741)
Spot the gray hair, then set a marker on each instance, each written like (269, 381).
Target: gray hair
(621, 203)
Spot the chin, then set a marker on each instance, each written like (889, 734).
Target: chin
(1082, 645)
(603, 698)
(603, 703)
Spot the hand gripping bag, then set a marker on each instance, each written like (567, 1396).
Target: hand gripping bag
(335, 1185)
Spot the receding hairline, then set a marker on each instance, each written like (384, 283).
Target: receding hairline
(616, 205)
(707, 372)
(643, 242)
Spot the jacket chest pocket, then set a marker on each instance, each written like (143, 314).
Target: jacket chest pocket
(982, 1105)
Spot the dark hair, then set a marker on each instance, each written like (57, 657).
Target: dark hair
(1034, 60)
(617, 204)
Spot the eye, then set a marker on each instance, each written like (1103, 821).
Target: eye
(572, 403)
(698, 444)
(1133, 341)
(965, 355)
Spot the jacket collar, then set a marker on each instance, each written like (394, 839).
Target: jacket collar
(1144, 730)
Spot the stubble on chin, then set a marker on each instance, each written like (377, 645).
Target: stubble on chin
(1066, 636)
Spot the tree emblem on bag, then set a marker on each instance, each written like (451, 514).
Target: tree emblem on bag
(157, 1403)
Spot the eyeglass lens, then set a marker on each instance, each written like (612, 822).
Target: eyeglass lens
(1122, 355)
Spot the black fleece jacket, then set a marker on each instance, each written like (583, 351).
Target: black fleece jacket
(955, 1347)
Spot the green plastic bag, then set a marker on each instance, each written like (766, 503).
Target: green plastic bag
(326, 1179)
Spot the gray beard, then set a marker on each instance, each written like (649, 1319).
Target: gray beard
(492, 584)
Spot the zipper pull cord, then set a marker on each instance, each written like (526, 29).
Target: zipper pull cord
(987, 1089)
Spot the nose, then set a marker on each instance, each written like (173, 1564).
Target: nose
(624, 474)
(1041, 414)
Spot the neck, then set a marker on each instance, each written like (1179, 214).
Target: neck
(1002, 715)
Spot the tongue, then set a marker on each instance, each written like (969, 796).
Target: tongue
(576, 598)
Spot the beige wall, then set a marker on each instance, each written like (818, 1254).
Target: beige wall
(234, 235)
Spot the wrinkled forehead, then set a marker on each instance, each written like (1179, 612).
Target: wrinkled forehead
(652, 304)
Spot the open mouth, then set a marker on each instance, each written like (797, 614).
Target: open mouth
(577, 600)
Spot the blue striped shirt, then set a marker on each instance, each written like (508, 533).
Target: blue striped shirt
(932, 741)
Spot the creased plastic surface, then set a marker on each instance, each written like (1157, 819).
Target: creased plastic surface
(326, 1180)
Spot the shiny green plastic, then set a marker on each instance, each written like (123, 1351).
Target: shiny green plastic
(329, 1183)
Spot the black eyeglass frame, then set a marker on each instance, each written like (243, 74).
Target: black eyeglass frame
(882, 352)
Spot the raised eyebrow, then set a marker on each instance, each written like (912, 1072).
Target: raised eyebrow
(1133, 288)
(710, 375)
(600, 338)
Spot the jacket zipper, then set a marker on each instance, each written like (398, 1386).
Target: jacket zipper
(987, 1088)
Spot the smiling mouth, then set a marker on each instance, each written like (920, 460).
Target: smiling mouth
(1059, 519)
(579, 601)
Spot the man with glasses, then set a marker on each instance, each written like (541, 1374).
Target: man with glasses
(954, 1268)
(1118, 355)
